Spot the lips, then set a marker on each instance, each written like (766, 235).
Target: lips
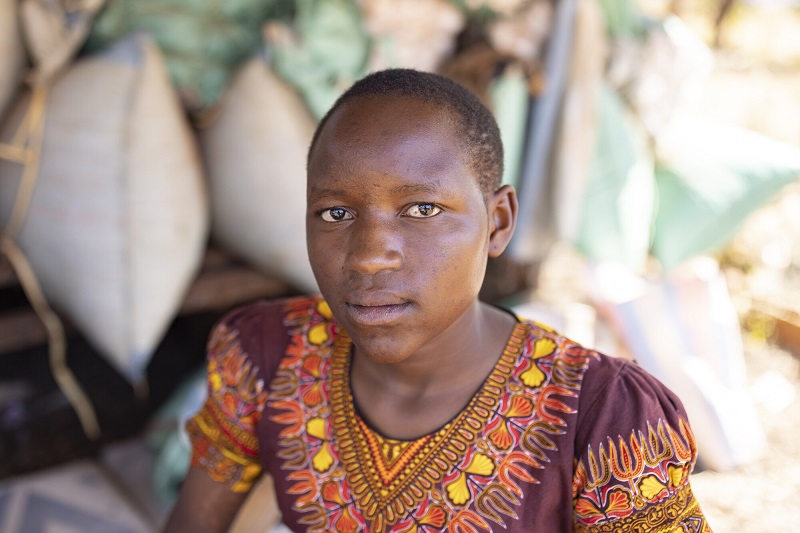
(376, 309)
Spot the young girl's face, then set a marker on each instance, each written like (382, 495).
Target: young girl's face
(397, 226)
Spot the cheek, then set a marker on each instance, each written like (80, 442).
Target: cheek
(323, 256)
(459, 260)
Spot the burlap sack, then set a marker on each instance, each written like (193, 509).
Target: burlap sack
(12, 53)
(117, 222)
(256, 153)
(54, 31)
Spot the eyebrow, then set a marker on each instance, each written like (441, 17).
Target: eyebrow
(318, 193)
(418, 188)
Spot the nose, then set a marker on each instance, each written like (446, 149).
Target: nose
(375, 246)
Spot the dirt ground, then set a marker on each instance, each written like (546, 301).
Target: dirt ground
(762, 496)
(755, 82)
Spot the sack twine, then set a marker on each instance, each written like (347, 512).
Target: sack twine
(25, 149)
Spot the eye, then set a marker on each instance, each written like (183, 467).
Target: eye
(335, 214)
(423, 210)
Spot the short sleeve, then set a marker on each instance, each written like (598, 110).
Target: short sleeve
(634, 453)
(223, 432)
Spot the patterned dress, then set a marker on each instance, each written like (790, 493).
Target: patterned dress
(558, 438)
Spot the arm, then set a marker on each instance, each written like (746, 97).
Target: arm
(635, 451)
(225, 446)
(204, 505)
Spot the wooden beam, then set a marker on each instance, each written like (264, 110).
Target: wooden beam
(222, 283)
(7, 276)
(20, 329)
(225, 288)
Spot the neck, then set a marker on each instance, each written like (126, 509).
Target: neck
(457, 359)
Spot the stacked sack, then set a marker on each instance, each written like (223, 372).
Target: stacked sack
(255, 153)
(116, 223)
(12, 53)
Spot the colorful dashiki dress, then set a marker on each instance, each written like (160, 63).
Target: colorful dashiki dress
(559, 438)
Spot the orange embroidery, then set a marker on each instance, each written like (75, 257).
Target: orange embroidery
(386, 499)
(223, 432)
(470, 473)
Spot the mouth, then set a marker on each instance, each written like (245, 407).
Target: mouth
(377, 315)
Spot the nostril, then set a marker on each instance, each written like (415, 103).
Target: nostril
(374, 261)
(375, 245)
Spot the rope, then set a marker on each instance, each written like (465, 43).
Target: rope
(25, 149)
(57, 346)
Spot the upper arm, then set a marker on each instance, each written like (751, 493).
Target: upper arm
(204, 505)
(634, 453)
(225, 448)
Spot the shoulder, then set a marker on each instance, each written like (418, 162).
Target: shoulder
(268, 318)
(624, 386)
(611, 394)
(258, 332)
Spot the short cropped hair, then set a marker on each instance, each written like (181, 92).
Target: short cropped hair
(476, 125)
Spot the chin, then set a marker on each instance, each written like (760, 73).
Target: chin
(378, 350)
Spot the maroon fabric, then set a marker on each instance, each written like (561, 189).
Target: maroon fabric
(560, 438)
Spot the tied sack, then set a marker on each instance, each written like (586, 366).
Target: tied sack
(256, 160)
(12, 53)
(117, 221)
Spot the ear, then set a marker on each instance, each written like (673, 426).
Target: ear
(503, 219)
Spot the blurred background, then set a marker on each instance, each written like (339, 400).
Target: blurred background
(152, 177)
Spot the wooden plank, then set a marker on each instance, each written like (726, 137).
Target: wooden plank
(786, 319)
(226, 288)
(7, 276)
(787, 334)
(20, 329)
(222, 283)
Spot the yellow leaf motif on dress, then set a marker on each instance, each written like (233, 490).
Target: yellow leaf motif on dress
(323, 459)
(318, 334)
(316, 428)
(533, 377)
(543, 348)
(215, 380)
(676, 475)
(457, 490)
(650, 487)
(324, 309)
(480, 465)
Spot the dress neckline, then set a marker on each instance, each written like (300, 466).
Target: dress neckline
(347, 346)
(388, 476)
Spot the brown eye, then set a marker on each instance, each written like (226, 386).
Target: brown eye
(423, 210)
(336, 214)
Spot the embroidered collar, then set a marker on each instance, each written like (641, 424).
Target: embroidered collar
(389, 477)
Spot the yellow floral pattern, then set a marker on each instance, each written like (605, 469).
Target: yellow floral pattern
(651, 482)
(223, 432)
(478, 473)
(461, 478)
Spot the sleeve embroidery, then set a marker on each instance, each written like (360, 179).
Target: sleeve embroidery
(639, 484)
(223, 433)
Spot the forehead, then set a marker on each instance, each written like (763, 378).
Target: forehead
(389, 134)
(385, 117)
